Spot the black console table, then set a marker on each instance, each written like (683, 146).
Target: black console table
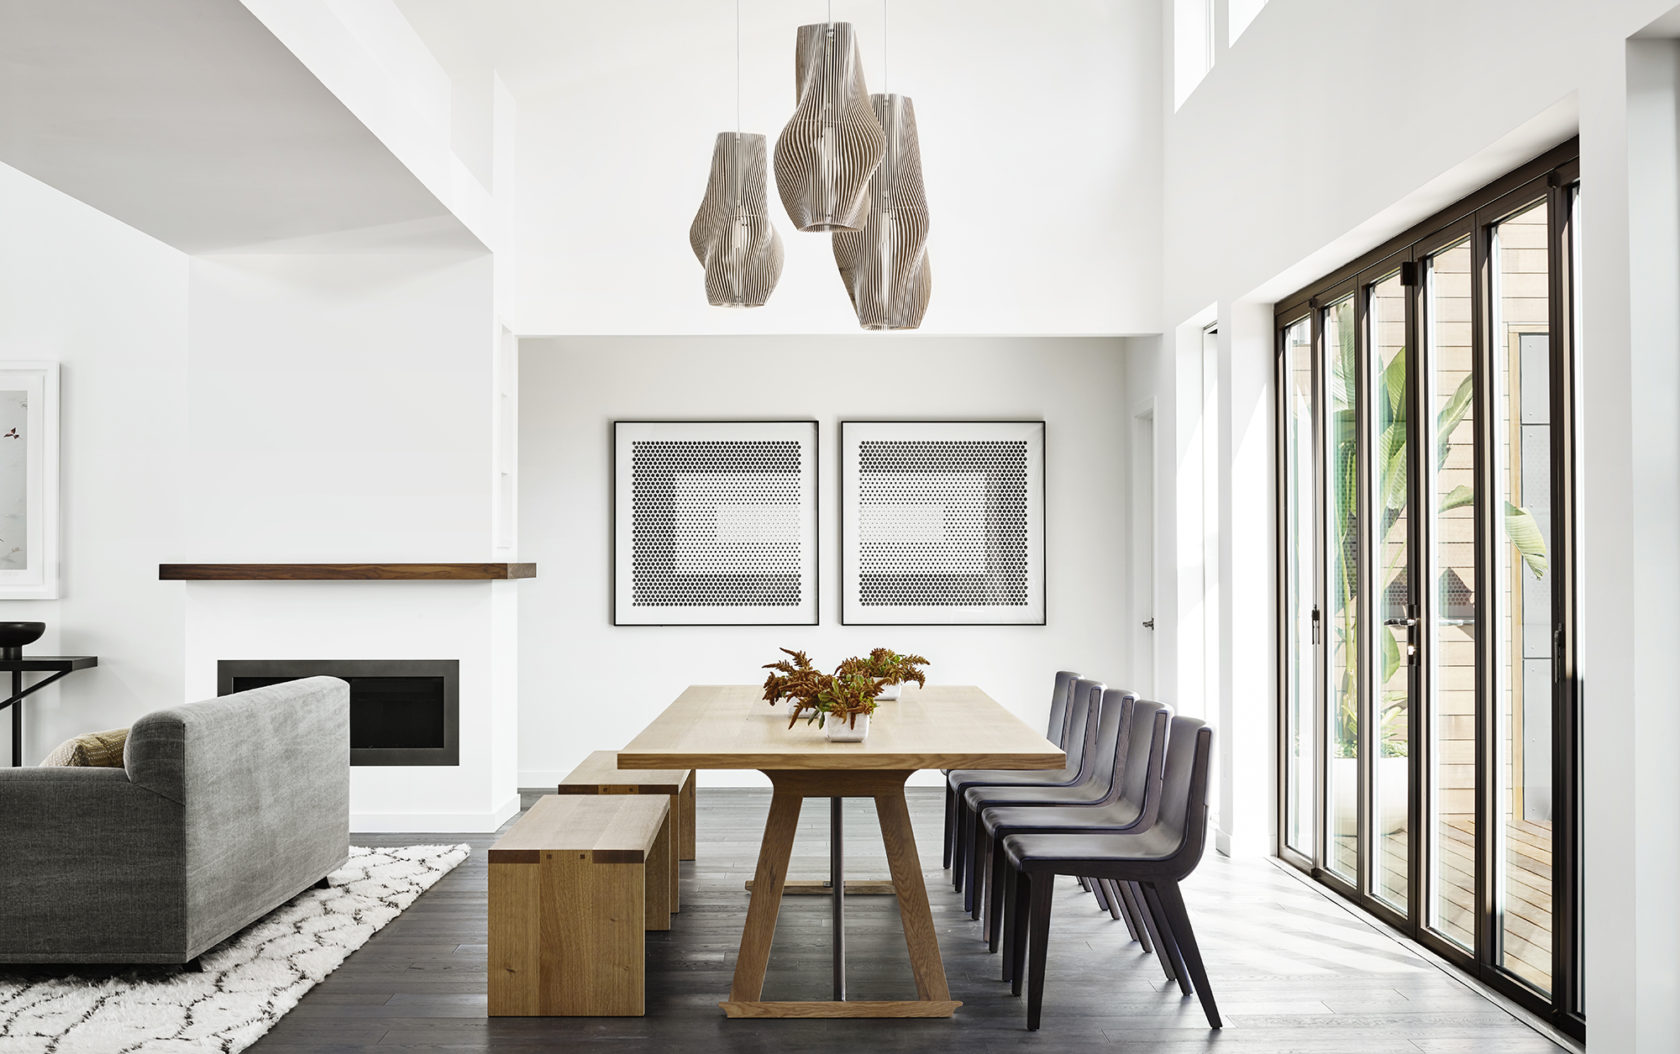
(55, 665)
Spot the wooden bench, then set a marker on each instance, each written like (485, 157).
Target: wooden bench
(599, 774)
(574, 886)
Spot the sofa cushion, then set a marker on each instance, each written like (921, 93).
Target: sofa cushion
(93, 750)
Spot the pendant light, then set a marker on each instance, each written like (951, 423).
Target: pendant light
(834, 142)
(732, 235)
(885, 265)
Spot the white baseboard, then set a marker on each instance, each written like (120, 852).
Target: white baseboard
(542, 779)
(433, 822)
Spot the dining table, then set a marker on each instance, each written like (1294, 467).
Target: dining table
(933, 727)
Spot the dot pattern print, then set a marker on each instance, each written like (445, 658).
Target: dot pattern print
(716, 523)
(943, 523)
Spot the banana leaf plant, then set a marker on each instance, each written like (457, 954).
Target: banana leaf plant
(1389, 453)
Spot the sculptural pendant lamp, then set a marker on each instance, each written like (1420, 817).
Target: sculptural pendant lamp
(885, 265)
(834, 142)
(732, 235)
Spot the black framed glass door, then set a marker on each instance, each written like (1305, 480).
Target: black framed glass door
(1428, 708)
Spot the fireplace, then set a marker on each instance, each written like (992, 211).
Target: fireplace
(402, 711)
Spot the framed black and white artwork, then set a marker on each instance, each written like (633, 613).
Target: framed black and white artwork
(942, 522)
(714, 523)
(29, 481)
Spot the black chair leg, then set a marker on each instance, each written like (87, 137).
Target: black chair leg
(950, 821)
(1084, 886)
(1166, 937)
(1134, 918)
(1153, 930)
(1006, 921)
(1039, 899)
(1018, 928)
(1116, 907)
(979, 866)
(959, 846)
(1121, 908)
(994, 895)
(1184, 938)
(1099, 893)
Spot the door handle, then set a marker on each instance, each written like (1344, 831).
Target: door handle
(1148, 623)
(1406, 622)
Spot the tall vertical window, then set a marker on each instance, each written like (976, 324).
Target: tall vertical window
(1192, 46)
(1429, 708)
(1450, 489)
(1300, 611)
(1238, 15)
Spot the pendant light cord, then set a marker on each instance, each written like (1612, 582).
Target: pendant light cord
(884, 45)
(737, 69)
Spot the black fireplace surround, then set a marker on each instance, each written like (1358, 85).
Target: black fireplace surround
(402, 711)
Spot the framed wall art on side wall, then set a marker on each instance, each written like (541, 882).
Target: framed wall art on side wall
(942, 522)
(29, 481)
(714, 523)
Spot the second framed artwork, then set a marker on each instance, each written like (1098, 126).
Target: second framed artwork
(942, 523)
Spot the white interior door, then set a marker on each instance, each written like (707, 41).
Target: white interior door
(1142, 676)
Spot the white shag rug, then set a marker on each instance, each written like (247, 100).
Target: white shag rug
(248, 982)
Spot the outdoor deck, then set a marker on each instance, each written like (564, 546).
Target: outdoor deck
(1528, 889)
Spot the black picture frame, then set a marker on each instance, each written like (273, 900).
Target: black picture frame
(1043, 563)
(613, 519)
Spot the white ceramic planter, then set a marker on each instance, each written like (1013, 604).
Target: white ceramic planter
(890, 692)
(843, 731)
(1391, 795)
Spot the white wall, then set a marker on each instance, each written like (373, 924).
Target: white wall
(110, 305)
(1329, 127)
(342, 412)
(587, 685)
(340, 408)
(1040, 135)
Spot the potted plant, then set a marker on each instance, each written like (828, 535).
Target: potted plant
(839, 702)
(890, 668)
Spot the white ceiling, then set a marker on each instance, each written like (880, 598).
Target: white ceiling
(188, 120)
(1040, 132)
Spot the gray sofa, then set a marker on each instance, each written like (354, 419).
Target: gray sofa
(222, 811)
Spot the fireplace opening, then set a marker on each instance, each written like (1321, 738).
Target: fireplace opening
(402, 712)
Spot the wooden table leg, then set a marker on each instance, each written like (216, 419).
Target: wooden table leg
(766, 902)
(887, 789)
(913, 908)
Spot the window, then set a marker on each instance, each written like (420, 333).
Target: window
(1192, 46)
(1239, 13)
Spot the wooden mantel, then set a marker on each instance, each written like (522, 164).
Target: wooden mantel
(344, 572)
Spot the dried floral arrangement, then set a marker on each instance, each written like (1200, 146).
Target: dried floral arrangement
(842, 695)
(888, 667)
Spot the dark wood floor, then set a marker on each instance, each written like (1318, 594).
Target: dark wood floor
(1292, 968)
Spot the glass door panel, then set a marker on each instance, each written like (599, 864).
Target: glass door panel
(1450, 602)
(1341, 614)
(1300, 594)
(1391, 657)
(1521, 403)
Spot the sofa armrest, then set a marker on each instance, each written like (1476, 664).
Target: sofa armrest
(264, 777)
(91, 868)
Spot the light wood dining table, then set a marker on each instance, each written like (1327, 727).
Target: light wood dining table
(938, 727)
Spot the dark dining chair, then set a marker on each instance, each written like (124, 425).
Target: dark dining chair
(1157, 860)
(1096, 786)
(1131, 806)
(1080, 730)
(958, 779)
